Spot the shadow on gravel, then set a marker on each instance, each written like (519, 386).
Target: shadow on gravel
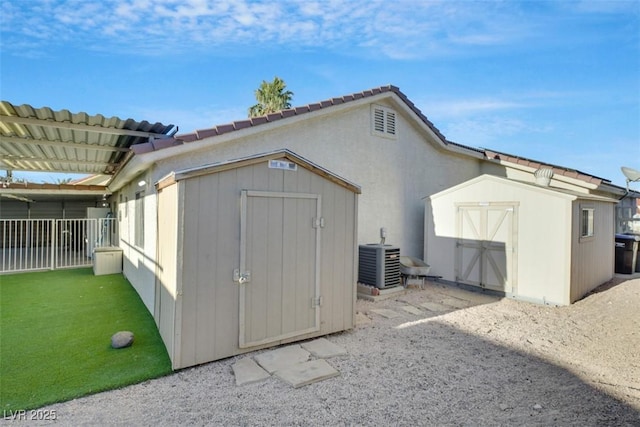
(450, 377)
(430, 374)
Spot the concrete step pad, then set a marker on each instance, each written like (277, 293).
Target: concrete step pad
(456, 302)
(384, 312)
(282, 358)
(307, 373)
(323, 348)
(436, 307)
(412, 309)
(247, 371)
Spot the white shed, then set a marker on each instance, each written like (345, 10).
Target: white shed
(530, 242)
(253, 253)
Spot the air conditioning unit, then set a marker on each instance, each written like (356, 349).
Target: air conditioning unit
(379, 265)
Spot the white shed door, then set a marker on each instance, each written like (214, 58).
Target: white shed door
(485, 249)
(279, 259)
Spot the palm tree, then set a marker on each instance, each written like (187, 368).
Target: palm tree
(271, 97)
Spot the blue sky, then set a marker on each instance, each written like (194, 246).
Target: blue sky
(556, 81)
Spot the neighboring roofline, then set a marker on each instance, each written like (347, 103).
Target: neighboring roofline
(535, 164)
(572, 176)
(556, 191)
(55, 189)
(620, 191)
(254, 159)
(89, 180)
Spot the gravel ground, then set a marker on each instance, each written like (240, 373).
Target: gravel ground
(497, 362)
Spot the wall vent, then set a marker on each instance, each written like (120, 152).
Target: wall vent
(379, 265)
(383, 121)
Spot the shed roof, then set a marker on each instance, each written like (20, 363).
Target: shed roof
(251, 160)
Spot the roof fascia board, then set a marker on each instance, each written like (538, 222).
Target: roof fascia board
(132, 168)
(425, 128)
(620, 191)
(54, 189)
(4, 158)
(78, 127)
(61, 144)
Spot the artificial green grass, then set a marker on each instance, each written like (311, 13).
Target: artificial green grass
(55, 337)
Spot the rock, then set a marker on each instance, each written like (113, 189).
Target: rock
(122, 339)
(537, 406)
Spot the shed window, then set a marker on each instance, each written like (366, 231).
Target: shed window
(586, 222)
(139, 220)
(383, 121)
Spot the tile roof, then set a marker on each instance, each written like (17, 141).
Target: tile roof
(558, 170)
(198, 135)
(295, 111)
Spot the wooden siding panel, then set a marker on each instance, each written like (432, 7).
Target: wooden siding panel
(211, 236)
(228, 258)
(166, 272)
(592, 259)
(275, 267)
(207, 234)
(257, 257)
(190, 271)
(342, 259)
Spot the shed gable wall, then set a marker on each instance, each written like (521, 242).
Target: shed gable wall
(543, 247)
(211, 250)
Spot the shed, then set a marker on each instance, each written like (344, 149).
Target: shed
(253, 253)
(527, 241)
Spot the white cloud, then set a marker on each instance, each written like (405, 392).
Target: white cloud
(398, 29)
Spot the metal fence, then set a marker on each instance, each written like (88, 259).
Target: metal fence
(48, 244)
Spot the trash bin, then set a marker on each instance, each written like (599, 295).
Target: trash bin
(626, 253)
(107, 260)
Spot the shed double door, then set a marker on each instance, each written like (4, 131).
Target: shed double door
(279, 266)
(486, 245)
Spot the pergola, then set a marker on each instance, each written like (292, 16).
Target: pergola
(43, 140)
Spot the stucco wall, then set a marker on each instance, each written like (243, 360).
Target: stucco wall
(139, 263)
(394, 174)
